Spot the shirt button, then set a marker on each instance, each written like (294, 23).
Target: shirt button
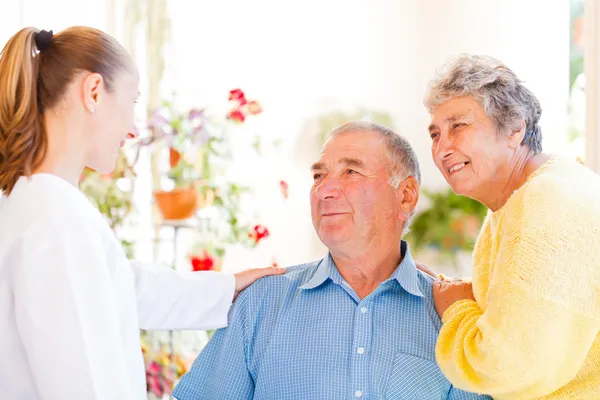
(360, 350)
(358, 393)
(363, 310)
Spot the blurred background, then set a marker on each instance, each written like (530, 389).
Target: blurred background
(238, 95)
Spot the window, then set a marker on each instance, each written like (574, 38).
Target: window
(577, 98)
(592, 84)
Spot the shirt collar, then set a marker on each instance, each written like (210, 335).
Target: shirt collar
(322, 273)
(406, 273)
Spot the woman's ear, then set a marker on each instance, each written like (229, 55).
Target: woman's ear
(408, 192)
(517, 135)
(91, 88)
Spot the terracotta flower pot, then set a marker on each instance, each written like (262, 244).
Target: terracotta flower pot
(180, 203)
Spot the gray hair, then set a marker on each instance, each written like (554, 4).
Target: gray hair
(402, 157)
(504, 98)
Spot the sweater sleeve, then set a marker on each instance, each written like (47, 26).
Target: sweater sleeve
(543, 300)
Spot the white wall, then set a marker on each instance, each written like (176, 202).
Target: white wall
(55, 15)
(10, 20)
(531, 37)
(303, 58)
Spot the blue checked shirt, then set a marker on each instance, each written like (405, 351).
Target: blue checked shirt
(307, 335)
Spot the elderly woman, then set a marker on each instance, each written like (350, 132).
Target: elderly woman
(529, 327)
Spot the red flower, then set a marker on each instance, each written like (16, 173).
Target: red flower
(274, 264)
(204, 262)
(154, 368)
(241, 107)
(283, 186)
(236, 115)
(237, 95)
(258, 233)
(155, 386)
(254, 107)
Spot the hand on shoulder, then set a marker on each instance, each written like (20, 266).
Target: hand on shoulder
(248, 277)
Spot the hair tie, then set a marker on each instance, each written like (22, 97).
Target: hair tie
(43, 39)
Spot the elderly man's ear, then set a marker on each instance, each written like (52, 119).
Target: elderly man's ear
(408, 192)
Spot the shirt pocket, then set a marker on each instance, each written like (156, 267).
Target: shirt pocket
(416, 378)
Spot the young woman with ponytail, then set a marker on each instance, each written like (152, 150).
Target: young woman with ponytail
(71, 304)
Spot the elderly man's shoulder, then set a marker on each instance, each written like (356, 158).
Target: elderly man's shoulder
(425, 283)
(294, 277)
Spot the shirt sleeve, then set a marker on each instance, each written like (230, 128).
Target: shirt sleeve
(173, 300)
(542, 309)
(221, 370)
(67, 315)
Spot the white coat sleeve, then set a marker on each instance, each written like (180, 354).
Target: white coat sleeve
(182, 300)
(67, 315)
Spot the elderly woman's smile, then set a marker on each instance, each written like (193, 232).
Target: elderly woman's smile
(455, 168)
(473, 154)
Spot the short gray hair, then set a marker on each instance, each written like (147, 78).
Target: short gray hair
(403, 159)
(504, 98)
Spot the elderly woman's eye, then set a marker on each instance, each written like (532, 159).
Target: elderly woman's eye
(458, 125)
(434, 135)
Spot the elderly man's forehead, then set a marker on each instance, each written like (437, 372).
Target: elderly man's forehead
(359, 138)
(356, 162)
(361, 153)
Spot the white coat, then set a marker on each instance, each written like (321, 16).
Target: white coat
(72, 304)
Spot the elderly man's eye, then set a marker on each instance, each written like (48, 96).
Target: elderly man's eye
(317, 176)
(434, 135)
(458, 125)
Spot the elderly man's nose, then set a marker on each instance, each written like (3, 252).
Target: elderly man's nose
(329, 189)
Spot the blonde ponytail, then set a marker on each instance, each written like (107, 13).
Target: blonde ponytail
(34, 79)
(23, 141)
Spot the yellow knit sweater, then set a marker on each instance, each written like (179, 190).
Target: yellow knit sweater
(534, 331)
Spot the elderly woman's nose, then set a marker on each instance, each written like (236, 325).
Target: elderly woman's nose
(444, 147)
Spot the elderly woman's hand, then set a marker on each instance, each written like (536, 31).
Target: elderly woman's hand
(450, 290)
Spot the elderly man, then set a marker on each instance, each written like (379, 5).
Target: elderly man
(360, 323)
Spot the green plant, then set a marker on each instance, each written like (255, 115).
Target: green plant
(451, 223)
(228, 199)
(201, 147)
(187, 135)
(114, 203)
